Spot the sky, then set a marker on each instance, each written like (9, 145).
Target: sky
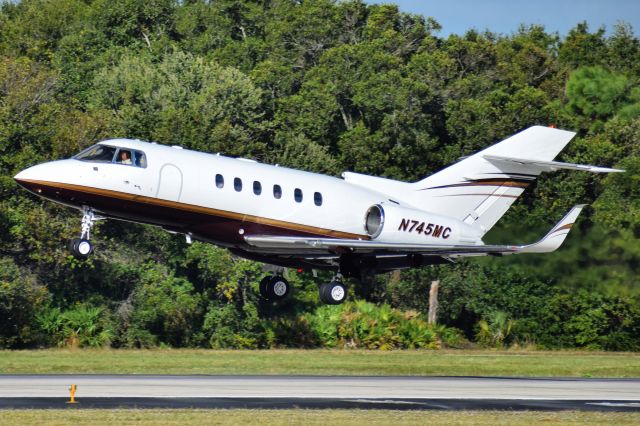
(504, 16)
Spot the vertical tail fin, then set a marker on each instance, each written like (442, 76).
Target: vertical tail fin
(478, 191)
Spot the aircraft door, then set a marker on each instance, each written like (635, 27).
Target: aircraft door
(169, 183)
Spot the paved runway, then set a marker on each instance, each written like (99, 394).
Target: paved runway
(44, 391)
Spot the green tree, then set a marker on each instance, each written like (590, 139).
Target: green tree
(162, 309)
(22, 298)
(595, 92)
(183, 100)
(33, 28)
(582, 48)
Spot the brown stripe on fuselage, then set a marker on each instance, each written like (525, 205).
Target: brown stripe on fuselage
(137, 208)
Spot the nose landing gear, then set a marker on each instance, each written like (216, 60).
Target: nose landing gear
(81, 247)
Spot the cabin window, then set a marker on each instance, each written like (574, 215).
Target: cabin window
(98, 154)
(317, 198)
(139, 159)
(277, 191)
(257, 187)
(237, 184)
(297, 194)
(219, 181)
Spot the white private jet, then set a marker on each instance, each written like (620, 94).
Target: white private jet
(355, 225)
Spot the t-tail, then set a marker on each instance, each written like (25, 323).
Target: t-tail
(479, 189)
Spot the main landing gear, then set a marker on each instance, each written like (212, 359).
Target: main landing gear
(81, 247)
(333, 293)
(274, 287)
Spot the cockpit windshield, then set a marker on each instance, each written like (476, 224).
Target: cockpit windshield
(98, 154)
(111, 154)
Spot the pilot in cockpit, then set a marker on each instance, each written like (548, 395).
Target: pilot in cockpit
(125, 157)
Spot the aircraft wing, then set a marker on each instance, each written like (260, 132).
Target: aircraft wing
(548, 243)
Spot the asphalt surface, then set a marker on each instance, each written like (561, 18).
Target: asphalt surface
(442, 393)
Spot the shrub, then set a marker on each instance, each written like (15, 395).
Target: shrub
(81, 326)
(290, 332)
(496, 330)
(364, 325)
(85, 326)
(451, 337)
(226, 326)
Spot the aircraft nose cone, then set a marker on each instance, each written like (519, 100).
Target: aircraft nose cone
(21, 176)
(30, 174)
(27, 178)
(51, 171)
(45, 173)
(49, 180)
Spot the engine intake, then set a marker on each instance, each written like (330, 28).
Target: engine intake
(399, 224)
(374, 220)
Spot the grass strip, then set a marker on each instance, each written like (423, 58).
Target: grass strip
(322, 362)
(312, 417)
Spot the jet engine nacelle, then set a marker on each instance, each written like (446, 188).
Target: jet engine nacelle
(398, 224)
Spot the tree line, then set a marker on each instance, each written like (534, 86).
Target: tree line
(324, 86)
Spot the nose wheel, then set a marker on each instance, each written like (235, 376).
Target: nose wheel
(81, 247)
(333, 293)
(274, 287)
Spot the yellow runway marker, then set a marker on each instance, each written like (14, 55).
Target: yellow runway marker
(72, 390)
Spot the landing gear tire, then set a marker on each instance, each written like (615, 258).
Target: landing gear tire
(274, 288)
(263, 287)
(333, 293)
(81, 248)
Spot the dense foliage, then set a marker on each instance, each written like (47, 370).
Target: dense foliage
(325, 86)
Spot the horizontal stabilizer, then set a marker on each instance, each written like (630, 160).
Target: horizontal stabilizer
(554, 239)
(549, 166)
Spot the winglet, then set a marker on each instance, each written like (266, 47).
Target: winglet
(556, 236)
